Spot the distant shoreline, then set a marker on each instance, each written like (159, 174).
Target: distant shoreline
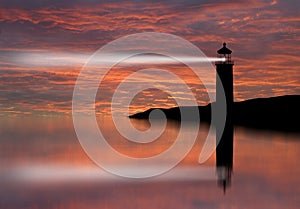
(280, 113)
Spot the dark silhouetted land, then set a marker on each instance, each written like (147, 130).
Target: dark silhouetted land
(280, 113)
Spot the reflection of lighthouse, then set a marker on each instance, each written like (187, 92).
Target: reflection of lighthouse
(224, 152)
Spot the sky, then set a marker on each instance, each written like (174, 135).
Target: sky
(44, 45)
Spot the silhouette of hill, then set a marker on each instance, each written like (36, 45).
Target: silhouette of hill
(280, 113)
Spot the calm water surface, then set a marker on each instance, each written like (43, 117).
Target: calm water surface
(42, 165)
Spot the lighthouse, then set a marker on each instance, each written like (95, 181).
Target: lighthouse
(224, 87)
(225, 73)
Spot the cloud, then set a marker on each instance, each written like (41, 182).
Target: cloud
(263, 35)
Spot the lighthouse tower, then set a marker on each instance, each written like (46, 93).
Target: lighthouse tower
(224, 150)
(225, 73)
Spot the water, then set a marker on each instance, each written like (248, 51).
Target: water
(42, 165)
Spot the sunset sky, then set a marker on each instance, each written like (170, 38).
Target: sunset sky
(44, 44)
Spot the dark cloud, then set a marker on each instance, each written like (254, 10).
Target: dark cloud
(36, 4)
(35, 91)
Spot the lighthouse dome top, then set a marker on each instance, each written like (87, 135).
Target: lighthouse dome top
(224, 50)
